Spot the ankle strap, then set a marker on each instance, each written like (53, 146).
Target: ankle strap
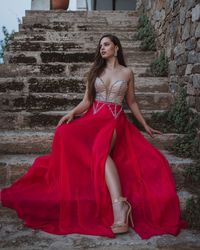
(120, 199)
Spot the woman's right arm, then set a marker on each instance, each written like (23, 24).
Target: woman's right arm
(79, 109)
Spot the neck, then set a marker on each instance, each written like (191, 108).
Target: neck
(112, 63)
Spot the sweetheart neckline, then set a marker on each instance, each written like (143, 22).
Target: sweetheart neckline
(111, 83)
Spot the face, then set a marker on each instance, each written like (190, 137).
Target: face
(107, 48)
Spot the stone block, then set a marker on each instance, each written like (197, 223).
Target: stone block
(186, 30)
(196, 81)
(172, 68)
(196, 13)
(197, 31)
(195, 69)
(181, 60)
(188, 69)
(40, 5)
(179, 49)
(192, 57)
(189, 4)
(190, 44)
(197, 103)
(182, 15)
(198, 45)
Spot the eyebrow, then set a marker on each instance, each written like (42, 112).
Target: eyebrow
(104, 43)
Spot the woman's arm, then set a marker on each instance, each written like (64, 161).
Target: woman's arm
(82, 106)
(132, 104)
(131, 100)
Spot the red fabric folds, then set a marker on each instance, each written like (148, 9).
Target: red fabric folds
(65, 191)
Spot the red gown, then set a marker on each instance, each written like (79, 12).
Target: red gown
(65, 191)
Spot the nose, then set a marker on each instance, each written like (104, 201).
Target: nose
(102, 48)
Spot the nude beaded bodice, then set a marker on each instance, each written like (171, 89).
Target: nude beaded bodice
(114, 93)
(111, 96)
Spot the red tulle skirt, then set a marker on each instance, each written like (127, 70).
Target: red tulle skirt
(65, 191)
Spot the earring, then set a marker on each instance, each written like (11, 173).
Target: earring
(115, 54)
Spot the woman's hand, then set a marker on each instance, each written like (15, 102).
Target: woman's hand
(66, 118)
(151, 131)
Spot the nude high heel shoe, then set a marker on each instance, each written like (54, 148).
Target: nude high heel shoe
(120, 227)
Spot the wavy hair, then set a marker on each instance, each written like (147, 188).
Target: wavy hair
(100, 63)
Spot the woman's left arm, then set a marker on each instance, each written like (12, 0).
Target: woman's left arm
(132, 104)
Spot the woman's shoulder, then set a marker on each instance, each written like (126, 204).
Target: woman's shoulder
(127, 71)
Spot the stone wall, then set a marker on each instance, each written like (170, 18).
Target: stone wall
(177, 27)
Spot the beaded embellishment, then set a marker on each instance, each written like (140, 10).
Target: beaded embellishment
(112, 107)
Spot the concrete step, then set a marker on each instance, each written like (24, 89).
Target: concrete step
(43, 46)
(8, 215)
(65, 70)
(13, 235)
(37, 57)
(65, 101)
(75, 84)
(125, 36)
(109, 15)
(129, 25)
(43, 120)
(13, 166)
(39, 141)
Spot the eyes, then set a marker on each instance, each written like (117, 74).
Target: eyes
(105, 44)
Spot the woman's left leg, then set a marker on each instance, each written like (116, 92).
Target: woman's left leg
(120, 209)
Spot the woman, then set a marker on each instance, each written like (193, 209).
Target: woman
(101, 171)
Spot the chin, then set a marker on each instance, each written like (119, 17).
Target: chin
(106, 56)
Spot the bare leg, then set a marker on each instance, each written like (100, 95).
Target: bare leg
(113, 183)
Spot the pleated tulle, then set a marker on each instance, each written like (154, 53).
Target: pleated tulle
(65, 191)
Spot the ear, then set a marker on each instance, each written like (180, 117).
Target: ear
(116, 48)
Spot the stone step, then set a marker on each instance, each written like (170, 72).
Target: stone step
(13, 235)
(91, 17)
(69, 70)
(49, 119)
(63, 46)
(14, 166)
(8, 216)
(125, 36)
(129, 25)
(65, 101)
(81, 15)
(35, 57)
(38, 141)
(76, 84)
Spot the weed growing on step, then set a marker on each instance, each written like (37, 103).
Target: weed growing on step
(5, 42)
(145, 32)
(159, 67)
(192, 176)
(192, 213)
(180, 119)
(177, 118)
(192, 180)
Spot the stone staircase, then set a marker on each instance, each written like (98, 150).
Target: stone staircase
(41, 80)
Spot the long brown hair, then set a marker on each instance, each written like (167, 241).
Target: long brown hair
(100, 63)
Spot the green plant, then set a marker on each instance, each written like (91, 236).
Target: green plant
(192, 213)
(160, 66)
(145, 32)
(186, 146)
(179, 119)
(192, 175)
(4, 43)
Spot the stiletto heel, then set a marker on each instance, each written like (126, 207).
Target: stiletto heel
(122, 227)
